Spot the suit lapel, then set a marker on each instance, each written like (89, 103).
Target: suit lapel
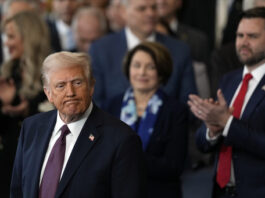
(85, 142)
(232, 87)
(122, 47)
(42, 140)
(255, 99)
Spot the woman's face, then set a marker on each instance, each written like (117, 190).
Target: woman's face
(143, 72)
(14, 41)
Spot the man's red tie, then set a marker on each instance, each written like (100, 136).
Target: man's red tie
(225, 154)
(53, 169)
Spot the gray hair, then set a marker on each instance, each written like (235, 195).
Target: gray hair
(90, 11)
(65, 59)
(7, 3)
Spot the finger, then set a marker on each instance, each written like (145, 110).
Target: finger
(221, 98)
(211, 100)
(198, 113)
(196, 100)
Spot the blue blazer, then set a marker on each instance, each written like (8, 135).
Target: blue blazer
(246, 136)
(108, 53)
(167, 148)
(54, 35)
(110, 166)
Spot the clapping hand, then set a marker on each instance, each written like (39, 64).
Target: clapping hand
(213, 113)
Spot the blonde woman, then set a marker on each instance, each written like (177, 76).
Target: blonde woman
(20, 83)
(28, 44)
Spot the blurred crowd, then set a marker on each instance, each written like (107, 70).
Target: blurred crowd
(198, 36)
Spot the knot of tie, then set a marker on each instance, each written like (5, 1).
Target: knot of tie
(65, 130)
(247, 77)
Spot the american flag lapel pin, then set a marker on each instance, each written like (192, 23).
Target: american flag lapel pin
(263, 87)
(91, 137)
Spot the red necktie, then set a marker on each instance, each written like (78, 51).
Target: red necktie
(225, 155)
(53, 169)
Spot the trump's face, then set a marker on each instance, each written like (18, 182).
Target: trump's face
(70, 90)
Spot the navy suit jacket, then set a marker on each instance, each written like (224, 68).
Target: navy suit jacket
(108, 53)
(246, 136)
(109, 166)
(167, 148)
(54, 35)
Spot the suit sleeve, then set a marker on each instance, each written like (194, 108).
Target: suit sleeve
(16, 182)
(202, 143)
(128, 171)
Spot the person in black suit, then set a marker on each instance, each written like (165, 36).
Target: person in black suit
(234, 127)
(103, 156)
(59, 22)
(158, 119)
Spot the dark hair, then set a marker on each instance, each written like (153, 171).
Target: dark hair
(257, 12)
(159, 54)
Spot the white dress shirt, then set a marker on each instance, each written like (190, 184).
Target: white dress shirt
(66, 35)
(75, 129)
(133, 40)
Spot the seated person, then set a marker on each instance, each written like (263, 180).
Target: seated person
(159, 120)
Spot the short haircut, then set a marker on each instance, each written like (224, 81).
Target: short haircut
(257, 12)
(90, 11)
(65, 59)
(160, 55)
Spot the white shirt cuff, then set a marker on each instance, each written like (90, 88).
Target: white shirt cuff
(227, 126)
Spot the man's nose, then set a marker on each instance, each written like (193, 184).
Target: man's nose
(70, 90)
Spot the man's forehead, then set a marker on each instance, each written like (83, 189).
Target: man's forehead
(251, 24)
(141, 2)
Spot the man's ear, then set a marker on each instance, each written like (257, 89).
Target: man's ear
(48, 94)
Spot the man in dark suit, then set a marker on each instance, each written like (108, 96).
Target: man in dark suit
(237, 133)
(97, 156)
(59, 22)
(107, 54)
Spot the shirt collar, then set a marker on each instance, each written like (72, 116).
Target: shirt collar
(62, 26)
(257, 73)
(133, 40)
(74, 127)
(174, 25)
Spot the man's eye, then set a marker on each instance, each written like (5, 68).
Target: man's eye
(59, 86)
(253, 36)
(77, 82)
